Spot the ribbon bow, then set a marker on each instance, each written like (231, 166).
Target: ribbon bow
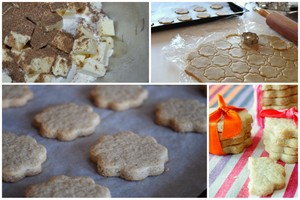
(290, 113)
(232, 125)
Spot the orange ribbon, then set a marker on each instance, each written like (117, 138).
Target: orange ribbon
(232, 125)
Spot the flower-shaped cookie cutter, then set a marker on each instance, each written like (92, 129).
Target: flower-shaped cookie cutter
(250, 38)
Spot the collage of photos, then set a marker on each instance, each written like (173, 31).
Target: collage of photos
(148, 99)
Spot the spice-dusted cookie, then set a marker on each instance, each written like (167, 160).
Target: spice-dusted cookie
(182, 115)
(64, 186)
(118, 97)
(15, 95)
(21, 156)
(66, 121)
(129, 155)
(265, 176)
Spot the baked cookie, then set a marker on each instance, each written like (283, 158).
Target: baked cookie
(64, 186)
(280, 149)
(21, 157)
(286, 92)
(182, 115)
(281, 128)
(265, 176)
(129, 155)
(239, 143)
(238, 148)
(66, 121)
(277, 87)
(15, 95)
(291, 142)
(118, 97)
(290, 159)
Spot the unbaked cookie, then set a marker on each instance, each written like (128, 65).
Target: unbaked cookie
(231, 60)
(199, 9)
(222, 13)
(182, 115)
(203, 15)
(64, 186)
(216, 6)
(66, 121)
(166, 20)
(184, 18)
(181, 11)
(15, 95)
(129, 155)
(118, 97)
(21, 157)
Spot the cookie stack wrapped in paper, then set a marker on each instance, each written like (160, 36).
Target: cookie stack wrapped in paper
(275, 97)
(229, 129)
(281, 134)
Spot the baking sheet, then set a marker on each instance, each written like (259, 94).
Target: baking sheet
(186, 174)
(229, 175)
(167, 9)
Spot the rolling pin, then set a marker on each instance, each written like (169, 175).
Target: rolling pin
(281, 24)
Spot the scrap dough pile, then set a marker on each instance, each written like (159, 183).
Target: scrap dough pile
(49, 42)
(230, 60)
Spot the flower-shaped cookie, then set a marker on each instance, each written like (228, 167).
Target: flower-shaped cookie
(15, 95)
(21, 156)
(182, 115)
(66, 121)
(64, 186)
(265, 176)
(129, 155)
(118, 97)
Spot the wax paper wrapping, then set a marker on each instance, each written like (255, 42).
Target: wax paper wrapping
(188, 39)
(186, 169)
(229, 175)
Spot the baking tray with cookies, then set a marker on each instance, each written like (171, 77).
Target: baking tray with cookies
(166, 15)
(109, 140)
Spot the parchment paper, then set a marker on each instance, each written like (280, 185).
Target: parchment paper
(186, 169)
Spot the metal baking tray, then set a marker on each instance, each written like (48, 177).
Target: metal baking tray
(167, 9)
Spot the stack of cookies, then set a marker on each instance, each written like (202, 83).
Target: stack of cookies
(240, 142)
(280, 134)
(276, 97)
(279, 96)
(281, 139)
